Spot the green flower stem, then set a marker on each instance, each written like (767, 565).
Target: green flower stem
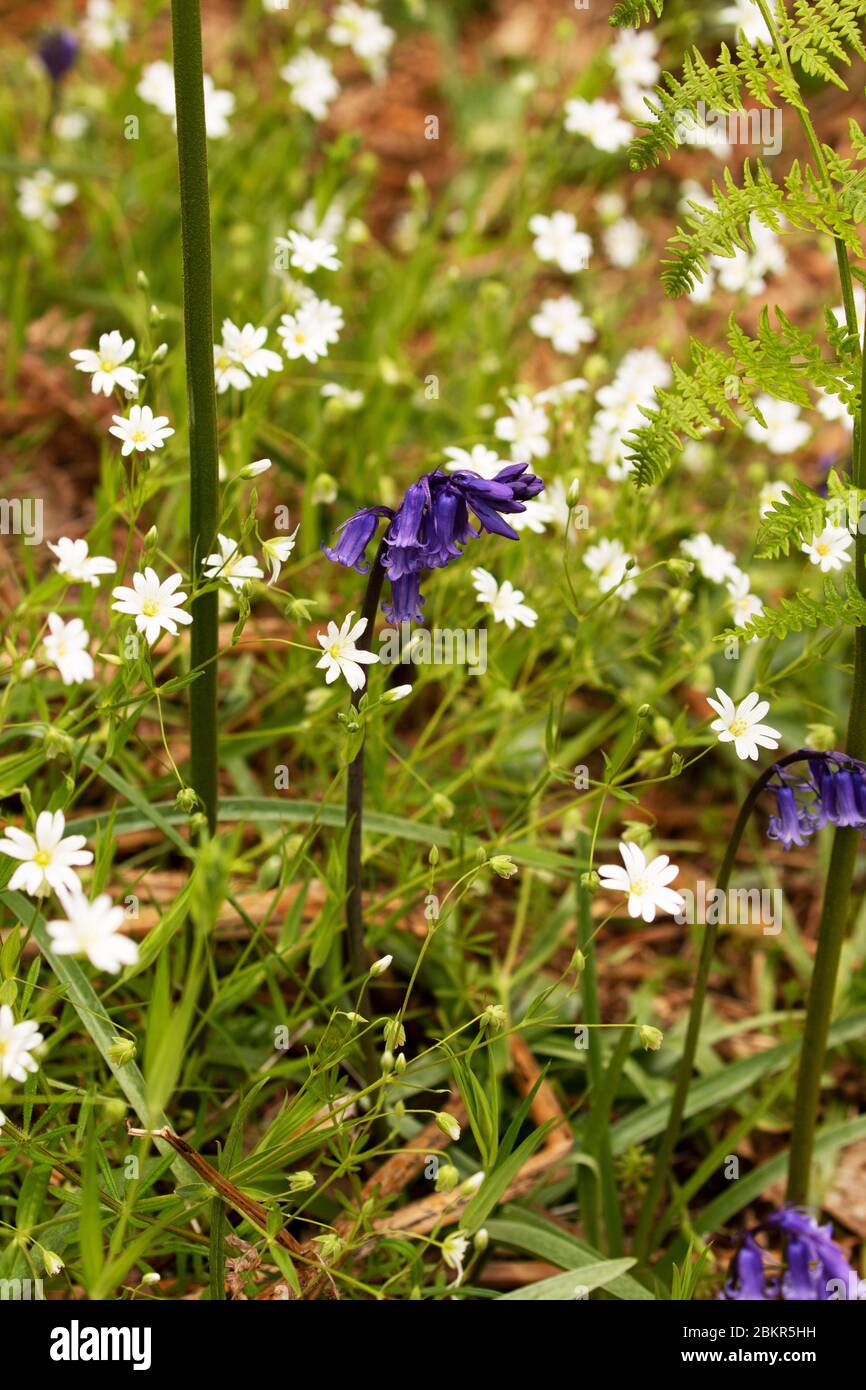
(665, 1152)
(201, 391)
(837, 893)
(356, 950)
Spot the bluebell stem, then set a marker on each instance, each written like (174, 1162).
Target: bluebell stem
(814, 1270)
(425, 532)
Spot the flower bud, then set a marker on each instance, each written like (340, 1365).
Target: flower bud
(495, 1016)
(651, 1038)
(442, 805)
(398, 692)
(470, 1186)
(448, 1125)
(447, 1177)
(380, 966)
(121, 1051)
(252, 470)
(502, 865)
(301, 1182)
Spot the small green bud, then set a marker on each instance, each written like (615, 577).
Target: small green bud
(651, 1038)
(447, 1178)
(121, 1051)
(481, 1240)
(448, 1125)
(502, 865)
(442, 805)
(494, 1016)
(578, 962)
(590, 880)
(301, 1182)
(821, 737)
(186, 800)
(395, 1034)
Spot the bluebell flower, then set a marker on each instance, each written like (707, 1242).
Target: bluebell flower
(833, 793)
(815, 1268)
(58, 51)
(430, 527)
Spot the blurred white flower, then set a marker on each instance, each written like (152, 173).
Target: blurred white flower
(715, 563)
(558, 240)
(746, 19)
(623, 242)
(66, 648)
(309, 253)
(607, 562)
(364, 31)
(525, 429)
(102, 27)
(600, 122)
(92, 929)
(770, 494)
(563, 321)
(479, 459)
(633, 58)
(312, 82)
(41, 194)
(277, 551)
(784, 432)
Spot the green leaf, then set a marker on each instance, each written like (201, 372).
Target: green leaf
(533, 1235)
(576, 1284)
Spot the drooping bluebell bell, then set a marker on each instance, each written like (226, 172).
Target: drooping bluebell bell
(430, 527)
(58, 51)
(832, 792)
(815, 1268)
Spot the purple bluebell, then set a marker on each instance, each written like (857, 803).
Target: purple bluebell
(430, 527)
(832, 793)
(815, 1268)
(58, 51)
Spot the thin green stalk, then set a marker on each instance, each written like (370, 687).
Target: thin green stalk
(356, 950)
(588, 1186)
(687, 1061)
(201, 391)
(837, 894)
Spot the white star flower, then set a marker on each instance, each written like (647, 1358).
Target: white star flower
(525, 429)
(312, 81)
(785, 432)
(228, 372)
(341, 657)
(309, 332)
(141, 430)
(231, 565)
(537, 514)
(105, 364)
(92, 929)
(831, 549)
(48, 861)
(77, 565)
(645, 883)
(66, 648)
(17, 1041)
(741, 724)
(102, 27)
(154, 605)
(505, 601)
(309, 253)
(558, 240)
(563, 321)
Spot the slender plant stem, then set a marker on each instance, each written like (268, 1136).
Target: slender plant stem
(837, 893)
(201, 392)
(687, 1061)
(588, 1184)
(355, 945)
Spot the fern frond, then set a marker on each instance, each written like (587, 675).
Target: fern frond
(633, 13)
(792, 519)
(724, 229)
(818, 33)
(833, 607)
(723, 386)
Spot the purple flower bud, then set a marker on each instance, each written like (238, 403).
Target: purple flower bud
(58, 51)
(791, 826)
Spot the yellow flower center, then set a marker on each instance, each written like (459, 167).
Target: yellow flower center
(42, 857)
(106, 364)
(738, 727)
(4, 1047)
(334, 650)
(139, 437)
(150, 608)
(822, 548)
